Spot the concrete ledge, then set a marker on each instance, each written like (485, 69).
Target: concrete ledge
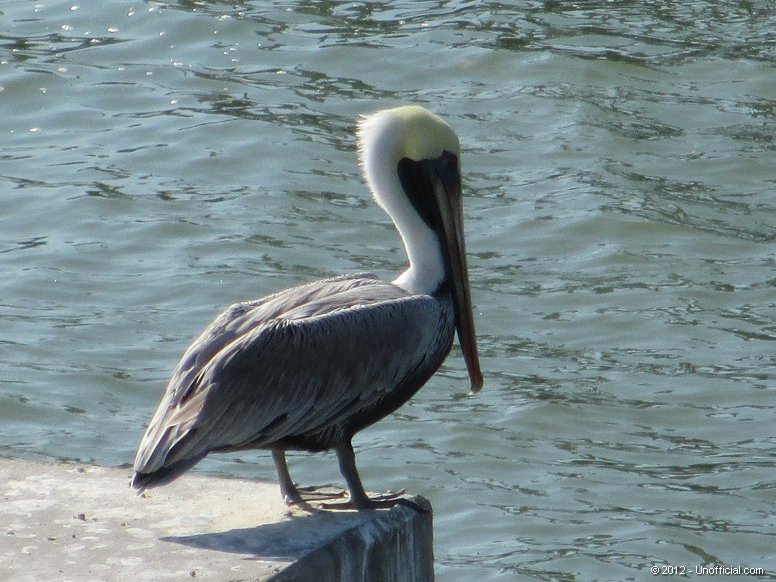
(73, 522)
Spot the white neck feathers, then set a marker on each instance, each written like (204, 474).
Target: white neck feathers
(383, 140)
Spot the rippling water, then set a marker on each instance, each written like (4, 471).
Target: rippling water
(159, 161)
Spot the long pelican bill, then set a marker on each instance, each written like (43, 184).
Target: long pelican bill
(446, 184)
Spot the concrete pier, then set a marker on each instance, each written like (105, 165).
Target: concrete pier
(83, 523)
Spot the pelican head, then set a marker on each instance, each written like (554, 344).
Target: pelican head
(410, 160)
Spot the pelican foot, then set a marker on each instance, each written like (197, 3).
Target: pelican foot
(307, 496)
(320, 493)
(381, 501)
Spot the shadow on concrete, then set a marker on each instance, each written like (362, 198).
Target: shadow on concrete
(287, 540)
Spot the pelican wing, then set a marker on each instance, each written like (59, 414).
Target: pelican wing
(296, 367)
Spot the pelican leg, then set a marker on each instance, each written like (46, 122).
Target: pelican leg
(358, 497)
(292, 494)
(347, 463)
(288, 490)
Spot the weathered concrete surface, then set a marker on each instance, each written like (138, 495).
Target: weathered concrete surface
(83, 523)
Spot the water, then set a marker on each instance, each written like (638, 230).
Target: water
(159, 161)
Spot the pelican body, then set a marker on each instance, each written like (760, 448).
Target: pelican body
(307, 368)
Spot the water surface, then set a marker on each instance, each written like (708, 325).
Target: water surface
(159, 161)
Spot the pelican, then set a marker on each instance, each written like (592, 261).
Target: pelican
(307, 368)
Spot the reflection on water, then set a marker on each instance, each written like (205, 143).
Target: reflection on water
(163, 160)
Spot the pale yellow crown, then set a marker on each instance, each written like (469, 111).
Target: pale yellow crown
(405, 132)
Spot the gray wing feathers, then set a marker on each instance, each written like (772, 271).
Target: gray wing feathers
(289, 364)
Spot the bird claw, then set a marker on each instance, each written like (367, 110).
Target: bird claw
(306, 497)
(380, 501)
(326, 498)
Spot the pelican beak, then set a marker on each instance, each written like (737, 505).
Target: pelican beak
(446, 185)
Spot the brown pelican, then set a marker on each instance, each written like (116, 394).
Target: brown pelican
(307, 368)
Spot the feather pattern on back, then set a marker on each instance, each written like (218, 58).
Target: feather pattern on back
(253, 378)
